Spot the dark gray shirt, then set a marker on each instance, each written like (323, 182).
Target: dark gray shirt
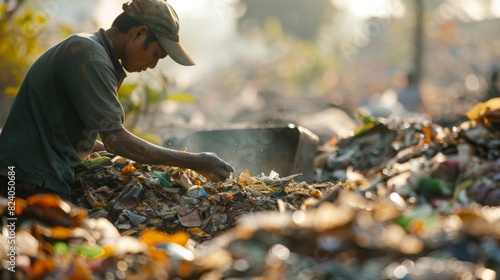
(68, 96)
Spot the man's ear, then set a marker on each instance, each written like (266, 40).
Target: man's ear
(141, 30)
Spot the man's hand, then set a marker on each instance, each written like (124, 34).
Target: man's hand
(212, 167)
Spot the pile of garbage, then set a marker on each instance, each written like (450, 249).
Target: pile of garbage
(397, 200)
(137, 196)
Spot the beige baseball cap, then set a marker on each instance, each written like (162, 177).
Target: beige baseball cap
(161, 19)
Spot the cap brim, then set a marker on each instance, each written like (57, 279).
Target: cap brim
(176, 51)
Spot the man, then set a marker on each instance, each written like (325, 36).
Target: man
(69, 97)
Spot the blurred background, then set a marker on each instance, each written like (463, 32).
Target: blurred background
(271, 62)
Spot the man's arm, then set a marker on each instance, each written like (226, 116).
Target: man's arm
(123, 143)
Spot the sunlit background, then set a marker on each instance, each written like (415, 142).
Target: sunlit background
(311, 63)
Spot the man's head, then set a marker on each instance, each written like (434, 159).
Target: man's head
(140, 48)
(147, 40)
(161, 19)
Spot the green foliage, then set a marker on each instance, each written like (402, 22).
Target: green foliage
(19, 46)
(367, 123)
(183, 97)
(142, 98)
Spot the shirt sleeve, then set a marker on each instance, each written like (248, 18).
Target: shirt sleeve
(93, 91)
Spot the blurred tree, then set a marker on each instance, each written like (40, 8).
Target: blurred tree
(418, 42)
(19, 30)
(299, 18)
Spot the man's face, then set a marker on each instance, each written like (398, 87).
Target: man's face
(136, 57)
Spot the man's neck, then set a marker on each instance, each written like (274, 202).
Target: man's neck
(117, 38)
